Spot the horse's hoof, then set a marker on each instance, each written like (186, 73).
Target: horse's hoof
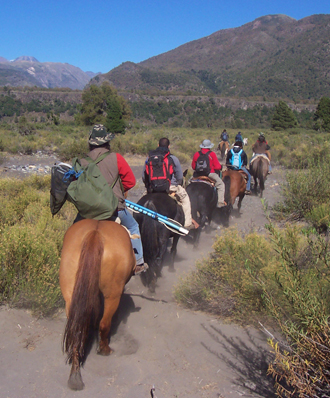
(105, 351)
(171, 269)
(75, 382)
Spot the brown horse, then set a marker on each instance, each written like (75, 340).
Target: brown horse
(97, 261)
(236, 185)
(259, 170)
(223, 147)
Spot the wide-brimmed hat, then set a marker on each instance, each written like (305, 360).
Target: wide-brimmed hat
(239, 143)
(99, 135)
(206, 144)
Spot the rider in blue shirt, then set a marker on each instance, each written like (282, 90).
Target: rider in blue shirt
(237, 160)
(239, 137)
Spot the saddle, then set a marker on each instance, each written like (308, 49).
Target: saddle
(240, 171)
(244, 175)
(258, 155)
(205, 179)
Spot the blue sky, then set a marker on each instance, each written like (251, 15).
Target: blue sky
(100, 35)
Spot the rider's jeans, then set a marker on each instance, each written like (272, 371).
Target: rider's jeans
(248, 184)
(128, 221)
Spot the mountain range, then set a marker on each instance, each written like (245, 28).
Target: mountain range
(28, 71)
(274, 56)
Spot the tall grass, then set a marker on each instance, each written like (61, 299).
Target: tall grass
(30, 245)
(306, 191)
(288, 148)
(284, 276)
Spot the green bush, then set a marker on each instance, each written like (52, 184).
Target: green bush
(306, 189)
(221, 284)
(286, 276)
(30, 245)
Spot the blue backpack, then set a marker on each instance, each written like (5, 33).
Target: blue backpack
(236, 159)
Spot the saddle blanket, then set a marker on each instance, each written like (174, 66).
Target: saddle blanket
(258, 155)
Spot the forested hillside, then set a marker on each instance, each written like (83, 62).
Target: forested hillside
(273, 57)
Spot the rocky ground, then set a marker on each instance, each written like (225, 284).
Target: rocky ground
(160, 349)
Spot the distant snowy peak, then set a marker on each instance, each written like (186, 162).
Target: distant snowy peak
(25, 58)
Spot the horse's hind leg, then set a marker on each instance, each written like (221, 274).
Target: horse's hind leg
(75, 381)
(110, 307)
(173, 252)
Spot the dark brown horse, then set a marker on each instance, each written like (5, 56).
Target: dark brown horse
(236, 186)
(259, 170)
(203, 198)
(223, 147)
(97, 261)
(155, 236)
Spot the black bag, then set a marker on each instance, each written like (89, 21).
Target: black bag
(59, 183)
(159, 170)
(203, 167)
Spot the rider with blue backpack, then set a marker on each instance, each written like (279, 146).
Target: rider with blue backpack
(237, 160)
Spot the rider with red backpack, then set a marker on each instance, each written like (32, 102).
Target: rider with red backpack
(163, 173)
(206, 163)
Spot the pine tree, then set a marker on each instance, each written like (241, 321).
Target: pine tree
(283, 117)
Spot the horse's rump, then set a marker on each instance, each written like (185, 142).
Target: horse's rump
(235, 185)
(258, 156)
(155, 235)
(205, 179)
(259, 171)
(93, 252)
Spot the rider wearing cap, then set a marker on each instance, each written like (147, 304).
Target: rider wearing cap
(237, 160)
(215, 168)
(111, 167)
(261, 146)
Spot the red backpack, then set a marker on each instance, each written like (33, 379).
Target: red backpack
(159, 170)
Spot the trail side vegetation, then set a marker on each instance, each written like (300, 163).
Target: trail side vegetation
(30, 245)
(282, 276)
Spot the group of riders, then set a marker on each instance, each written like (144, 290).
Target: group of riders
(163, 173)
(236, 158)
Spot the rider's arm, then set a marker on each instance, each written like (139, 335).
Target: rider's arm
(229, 155)
(244, 159)
(177, 170)
(215, 164)
(126, 174)
(193, 163)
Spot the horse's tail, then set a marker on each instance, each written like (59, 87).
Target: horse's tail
(260, 174)
(149, 235)
(227, 181)
(85, 301)
(227, 209)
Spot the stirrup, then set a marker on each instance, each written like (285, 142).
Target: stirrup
(140, 268)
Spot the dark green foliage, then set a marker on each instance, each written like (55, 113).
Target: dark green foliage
(102, 104)
(204, 113)
(9, 106)
(283, 117)
(114, 121)
(322, 114)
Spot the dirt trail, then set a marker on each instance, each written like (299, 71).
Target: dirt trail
(156, 343)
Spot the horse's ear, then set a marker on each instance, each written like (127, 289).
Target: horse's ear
(185, 172)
